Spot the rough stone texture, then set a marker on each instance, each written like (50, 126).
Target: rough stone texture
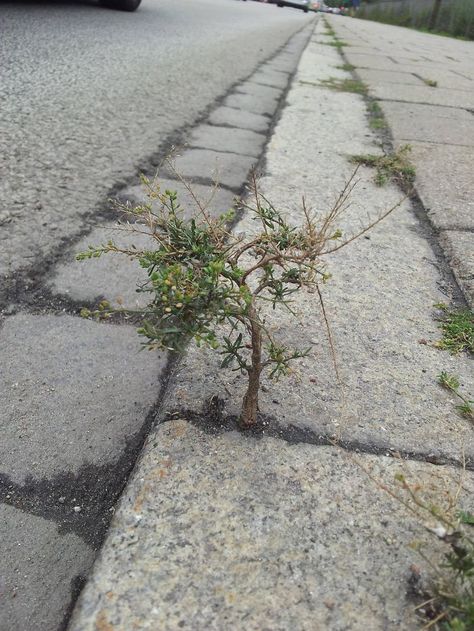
(228, 532)
(250, 103)
(220, 529)
(378, 77)
(424, 94)
(84, 101)
(216, 200)
(227, 169)
(26, 579)
(241, 141)
(238, 118)
(74, 392)
(445, 184)
(273, 78)
(459, 248)
(260, 91)
(112, 276)
(427, 123)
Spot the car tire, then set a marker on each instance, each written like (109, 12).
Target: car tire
(121, 5)
(279, 4)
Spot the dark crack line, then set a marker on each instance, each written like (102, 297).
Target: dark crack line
(212, 422)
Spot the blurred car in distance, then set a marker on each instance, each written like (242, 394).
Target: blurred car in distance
(121, 5)
(296, 4)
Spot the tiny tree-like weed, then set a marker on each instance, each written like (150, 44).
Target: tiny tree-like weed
(201, 275)
(393, 166)
(345, 85)
(458, 329)
(451, 383)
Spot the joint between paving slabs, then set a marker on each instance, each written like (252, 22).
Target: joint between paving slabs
(213, 422)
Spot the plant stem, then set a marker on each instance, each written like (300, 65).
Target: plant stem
(248, 416)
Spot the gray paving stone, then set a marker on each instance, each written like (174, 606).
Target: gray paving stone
(250, 103)
(424, 94)
(117, 278)
(375, 62)
(259, 91)
(444, 181)
(239, 118)
(427, 123)
(38, 566)
(74, 392)
(112, 277)
(378, 77)
(241, 141)
(266, 76)
(229, 532)
(459, 248)
(227, 169)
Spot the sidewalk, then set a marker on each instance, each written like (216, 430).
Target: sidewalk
(220, 529)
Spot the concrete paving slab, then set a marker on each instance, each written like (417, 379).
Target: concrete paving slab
(114, 278)
(428, 123)
(227, 169)
(459, 248)
(74, 392)
(375, 62)
(241, 141)
(444, 182)
(378, 77)
(215, 200)
(266, 76)
(238, 118)
(225, 531)
(26, 585)
(251, 103)
(117, 278)
(260, 91)
(424, 94)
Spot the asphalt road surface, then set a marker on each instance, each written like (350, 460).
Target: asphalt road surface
(88, 98)
(86, 94)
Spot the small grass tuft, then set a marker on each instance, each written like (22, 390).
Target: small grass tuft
(337, 43)
(345, 85)
(430, 82)
(346, 67)
(451, 383)
(393, 166)
(458, 330)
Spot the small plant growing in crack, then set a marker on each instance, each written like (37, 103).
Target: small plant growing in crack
(451, 383)
(201, 276)
(458, 329)
(345, 85)
(392, 166)
(376, 116)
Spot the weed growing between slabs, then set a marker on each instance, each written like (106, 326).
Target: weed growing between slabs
(345, 85)
(202, 276)
(392, 166)
(458, 329)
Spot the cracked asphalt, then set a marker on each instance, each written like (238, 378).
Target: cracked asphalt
(89, 98)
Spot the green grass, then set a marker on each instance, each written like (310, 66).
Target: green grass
(345, 85)
(346, 67)
(337, 43)
(394, 166)
(376, 117)
(458, 330)
(430, 82)
(451, 383)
